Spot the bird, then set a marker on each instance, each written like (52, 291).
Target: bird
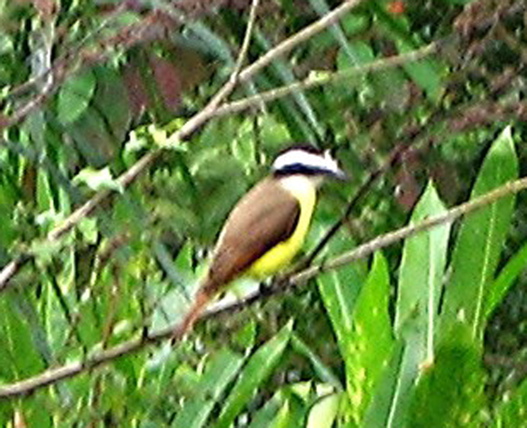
(268, 225)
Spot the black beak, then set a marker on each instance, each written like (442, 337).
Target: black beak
(340, 175)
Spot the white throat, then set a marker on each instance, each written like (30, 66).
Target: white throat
(300, 183)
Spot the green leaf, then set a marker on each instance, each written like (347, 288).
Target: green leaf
(322, 8)
(421, 273)
(323, 371)
(243, 146)
(338, 291)
(512, 412)
(451, 391)
(405, 373)
(93, 138)
(98, 179)
(6, 43)
(257, 370)
(264, 416)
(339, 288)
(89, 230)
(45, 250)
(194, 415)
(246, 336)
(285, 73)
(388, 86)
(481, 238)
(424, 72)
(35, 414)
(172, 306)
(222, 368)
(112, 101)
(214, 41)
(370, 342)
(44, 193)
(506, 278)
(74, 97)
(284, 410)
(272, 133)
(220, 371)
(324, 412)
(283, 417)
(17, 351)
(381, 405)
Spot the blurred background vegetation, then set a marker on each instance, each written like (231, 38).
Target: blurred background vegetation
(430, 332)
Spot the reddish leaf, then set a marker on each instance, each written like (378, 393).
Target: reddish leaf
(408, 188)
(168, 81)
(446, 178)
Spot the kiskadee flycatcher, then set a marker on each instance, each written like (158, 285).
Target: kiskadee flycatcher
(267, 227)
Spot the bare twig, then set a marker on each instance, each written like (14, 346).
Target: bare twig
(54, 375)
(324, 79)
(59, 62)
(393, 158)
(465, 117)
(300, 37)
(149, 27)
(518, 364)
(246, 40)
(194, 123)
(390, 238)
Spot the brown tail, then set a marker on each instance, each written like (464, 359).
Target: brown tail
(203, 297)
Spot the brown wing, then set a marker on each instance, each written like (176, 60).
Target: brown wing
(265, 216)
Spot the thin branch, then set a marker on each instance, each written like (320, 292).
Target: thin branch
(54, 375)
(300, 37)
(516, 363)
(393, 158)
(390, 238)
(324, 79)
(194, 123)
(148, 28)
(465, 117)
(59, 62)
(246, 40)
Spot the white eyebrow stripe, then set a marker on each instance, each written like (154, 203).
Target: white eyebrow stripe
(302, 157)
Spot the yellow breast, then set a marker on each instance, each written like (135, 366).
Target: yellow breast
(303, 189)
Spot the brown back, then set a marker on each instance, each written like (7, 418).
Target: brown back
(265, 216)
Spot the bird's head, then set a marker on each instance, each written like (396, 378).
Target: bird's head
(308, 161)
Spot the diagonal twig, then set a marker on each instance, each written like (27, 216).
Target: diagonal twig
(328, 78)
(65, 66)
(242, 56)
(69, 370)
(194, 123)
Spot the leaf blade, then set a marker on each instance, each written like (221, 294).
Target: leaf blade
(256, 371)
(472, 270)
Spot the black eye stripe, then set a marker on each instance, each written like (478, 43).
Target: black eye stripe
(300, 168)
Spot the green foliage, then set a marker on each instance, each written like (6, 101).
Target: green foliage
(472, 271)
(74, 97)
(365, 358)
(224, 366)
(257, 370)
(324, 412)
(450, 392)
(396, 341)
(512, 409)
